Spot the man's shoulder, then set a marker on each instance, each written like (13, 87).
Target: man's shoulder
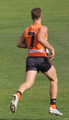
(43, 28)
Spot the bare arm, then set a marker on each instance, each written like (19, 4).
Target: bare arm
(22, 42)
(41, 38)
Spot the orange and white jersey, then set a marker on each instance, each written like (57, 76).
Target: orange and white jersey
(34, 47)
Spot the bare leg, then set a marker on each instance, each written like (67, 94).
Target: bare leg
(30, 78)
(51, 74)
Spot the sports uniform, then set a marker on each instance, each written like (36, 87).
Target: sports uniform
(37, 56)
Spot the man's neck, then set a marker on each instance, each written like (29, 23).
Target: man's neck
(36, 22)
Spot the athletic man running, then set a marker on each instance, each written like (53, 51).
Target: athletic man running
(34, 38)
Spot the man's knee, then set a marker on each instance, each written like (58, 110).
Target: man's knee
(55, 79)
(28, 85)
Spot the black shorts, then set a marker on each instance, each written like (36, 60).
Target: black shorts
(38, 64)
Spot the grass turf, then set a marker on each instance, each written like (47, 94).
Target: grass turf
(14, 18)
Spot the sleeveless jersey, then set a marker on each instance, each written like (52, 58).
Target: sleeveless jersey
(35, 49)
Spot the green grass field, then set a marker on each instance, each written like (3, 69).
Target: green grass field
(34, 103)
